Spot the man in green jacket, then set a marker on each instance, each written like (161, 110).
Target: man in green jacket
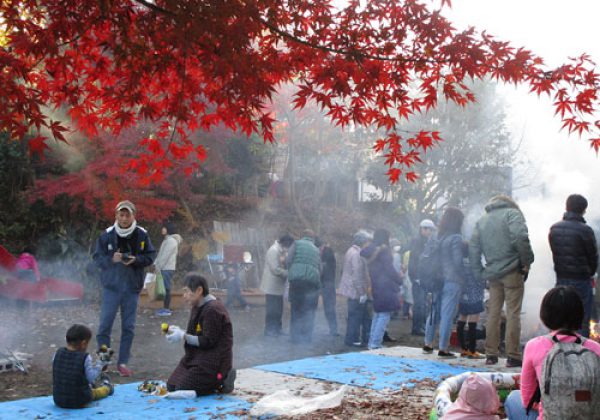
(501, 237)
(304, 276)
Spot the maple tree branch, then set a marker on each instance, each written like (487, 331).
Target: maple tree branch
(355, 53)
(287, 35)
(155, 8)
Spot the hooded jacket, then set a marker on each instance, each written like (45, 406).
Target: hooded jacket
(167, 254)
(574, 248)
(501, 236)
(477, 400)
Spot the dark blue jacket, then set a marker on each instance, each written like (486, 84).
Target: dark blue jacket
(385, 280)
(118, 276)
(574, 249)
(452, 254)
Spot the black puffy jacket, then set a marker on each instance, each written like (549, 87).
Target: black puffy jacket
(574, 249)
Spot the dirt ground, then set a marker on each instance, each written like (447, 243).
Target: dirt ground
(40, 330)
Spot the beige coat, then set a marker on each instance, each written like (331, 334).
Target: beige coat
(274, 275)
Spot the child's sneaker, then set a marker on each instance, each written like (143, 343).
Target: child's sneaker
(105, 380)
(124, 370)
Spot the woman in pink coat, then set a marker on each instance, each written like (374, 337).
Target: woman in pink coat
(26, 265)
(562, 312)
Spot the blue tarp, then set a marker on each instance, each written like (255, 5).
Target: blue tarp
(367, 370)
(129, 403)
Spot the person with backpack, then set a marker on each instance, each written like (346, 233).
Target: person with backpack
(385, 285)
(446, 298)
(501, 236)
(426, 230)
(560, 377)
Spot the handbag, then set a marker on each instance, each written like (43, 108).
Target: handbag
(159, 289)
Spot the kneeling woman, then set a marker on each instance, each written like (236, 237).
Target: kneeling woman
(206, 366)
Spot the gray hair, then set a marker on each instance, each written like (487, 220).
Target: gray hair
(361, 237)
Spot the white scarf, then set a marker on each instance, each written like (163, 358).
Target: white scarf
(124, 233)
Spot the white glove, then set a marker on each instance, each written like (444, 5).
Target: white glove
(362, 299)
(175, 334)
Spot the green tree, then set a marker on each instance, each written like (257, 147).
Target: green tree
(473, 162)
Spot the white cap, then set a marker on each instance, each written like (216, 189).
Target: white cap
(428, 224)
(126, 205)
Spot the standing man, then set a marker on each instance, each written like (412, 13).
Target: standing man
(354, 284)
(273, 284)
(575, 254)
(501, 236)
(121, 253)
(328, 264)
(304, 275)
(417, 245)
(166, 263)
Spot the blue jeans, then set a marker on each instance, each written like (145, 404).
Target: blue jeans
(358, 327)
(167, 275)
(445, 305)
(378, 326)
(513, 406)
(584, 288)
(112, 301)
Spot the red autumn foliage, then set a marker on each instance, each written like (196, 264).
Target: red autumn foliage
(197, 64)
(101, 182)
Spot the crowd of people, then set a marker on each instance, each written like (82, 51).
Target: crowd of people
(438, 281)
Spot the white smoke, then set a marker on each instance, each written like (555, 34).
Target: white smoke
(562, 166)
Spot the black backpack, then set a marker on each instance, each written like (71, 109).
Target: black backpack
(429, 268)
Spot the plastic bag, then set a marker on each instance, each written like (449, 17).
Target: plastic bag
(285, 403)
(159, 289)
(150, 278)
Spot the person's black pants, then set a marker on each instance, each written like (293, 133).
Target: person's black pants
(419, 309)
(358, 326)
(328, 294)
(273, 314)
(303, 304)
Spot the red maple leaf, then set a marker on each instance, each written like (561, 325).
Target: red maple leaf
(37, 145)
(192, 65)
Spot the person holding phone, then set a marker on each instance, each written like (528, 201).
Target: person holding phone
(121, 253)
